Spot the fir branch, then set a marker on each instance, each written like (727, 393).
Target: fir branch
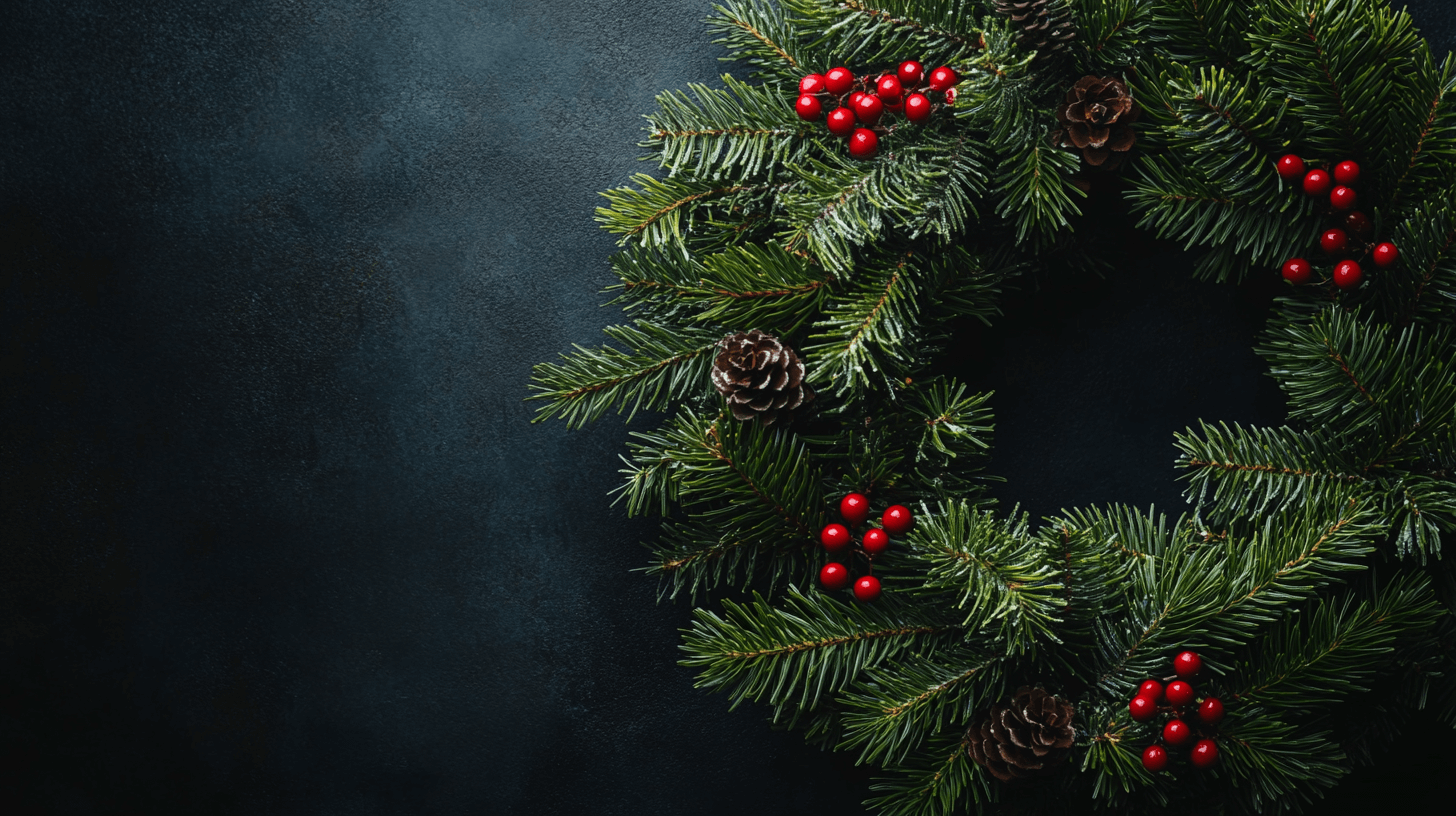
(893, 713)
(762, 35)
(739, 132)
(811, 646)
(871, 32)
(660, 363)
(939, 779)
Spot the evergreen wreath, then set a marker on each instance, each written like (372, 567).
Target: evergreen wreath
(792, 281)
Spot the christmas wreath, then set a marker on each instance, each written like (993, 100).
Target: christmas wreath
(814, 238)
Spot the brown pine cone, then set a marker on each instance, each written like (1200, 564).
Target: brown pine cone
(1044, 25)
(1029, 735)
(1097, 119)
(761, 377)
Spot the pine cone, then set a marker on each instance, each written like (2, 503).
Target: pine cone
(1022, 738)
(1097, 119)
(1044, 25)
(761, 377)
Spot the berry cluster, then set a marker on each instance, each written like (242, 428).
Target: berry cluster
(836, 538)
(1187, 720)
(1351, 233)
(859, 102)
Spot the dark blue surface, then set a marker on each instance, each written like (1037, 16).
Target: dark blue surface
(278, 535)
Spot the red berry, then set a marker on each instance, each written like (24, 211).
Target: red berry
(808, 108)
(1347, 274)
(1385, 254)
(897, 520)
(1347, 172)
(863, 144)
(812, 84)
(1142, 709)
(834, 576)
(838, 80)
(875, 541)
(911, 73)
(1357, 223)
(1289, 167)
(867, 589)
(841, 121)
(834, 537)
(1316, 182)
(868, 109)
(888, 87)
(917, 108)
(854, 98)
(1177, 732)
(855, 508)
(1179, 693)
(1210, 710)
(1187, 664)
(943, 78)
(1334, 241)
(1151, 689)
(1296, 271)
(1205, 753)
(1155, 758)
(1342, 198)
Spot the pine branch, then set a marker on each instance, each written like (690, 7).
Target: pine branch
(663, 211)
(866, 330)
(1325, 655)
(1036, 191)
(940, 779)
(809, 647)
(661, 363)
(892, 714)
(1272, 764)
(763, 35)
(1201, 32)
(875, 32)
(1001, 576)
(740, 132)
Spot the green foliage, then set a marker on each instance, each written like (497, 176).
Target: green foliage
(1308, 574)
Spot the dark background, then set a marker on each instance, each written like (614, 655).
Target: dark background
(278, 535)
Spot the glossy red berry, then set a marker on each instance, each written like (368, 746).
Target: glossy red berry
(868, 109)
(911, 74)
(812, 84)
(888, 87)
(1385, 254)
(838, 80)
(1334, 241)
(867, 589)
(917, 108)
(864, 144)
(834, 576)
(841, 122)
(1177, 732)
(808, 108)
(1347, 172)
(1151, 689)
(1204, 754)
(1187, 664)
(854, 98)
(1357, 224)
(875, 541)
(855, 508)
(897, 519)
(1297, 271)
(834, 537)
(1210, 711)
(1342, 198)
(1316, 182)
(1142, 709)
(943, 78)
(1347, 274)
(1179, 693)
(1289, 167)
(1155, 758)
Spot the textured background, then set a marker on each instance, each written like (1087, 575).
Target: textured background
(278, 537)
